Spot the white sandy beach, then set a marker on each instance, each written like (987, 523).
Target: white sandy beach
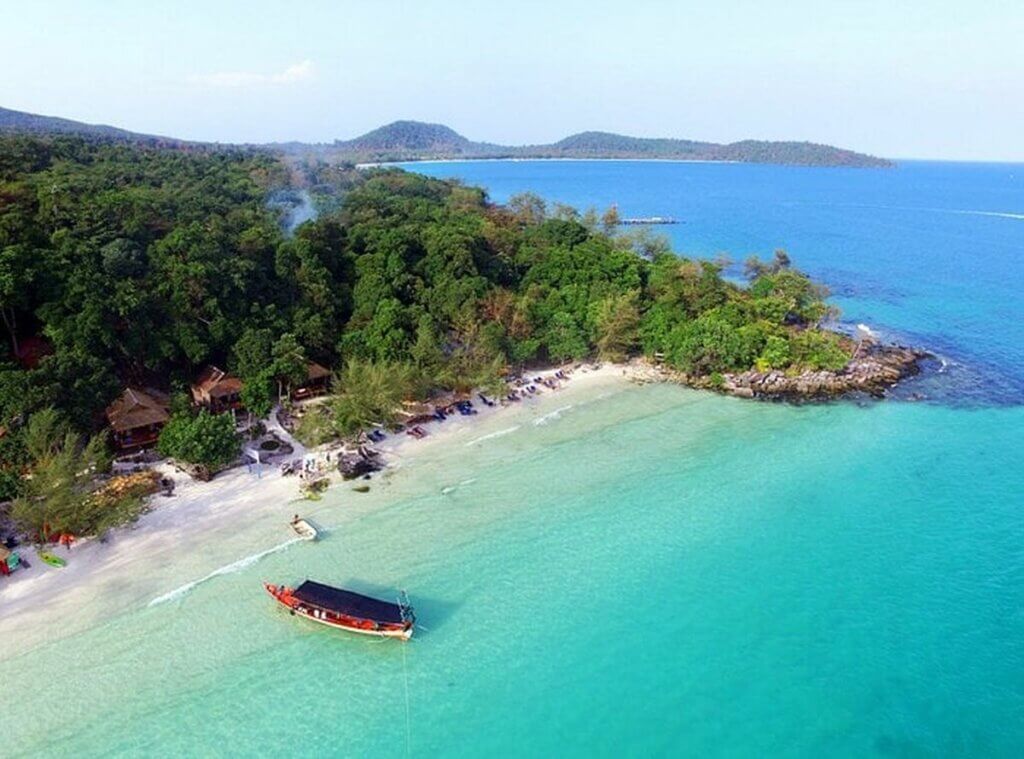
(208, 529)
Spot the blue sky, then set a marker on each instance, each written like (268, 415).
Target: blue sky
(903, 78)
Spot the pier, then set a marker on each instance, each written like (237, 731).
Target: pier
(650, 220)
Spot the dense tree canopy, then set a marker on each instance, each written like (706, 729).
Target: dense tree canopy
(135, 264)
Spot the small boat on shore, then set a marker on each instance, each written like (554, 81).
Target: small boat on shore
(304, 529)
(53, 561)
(345, 610)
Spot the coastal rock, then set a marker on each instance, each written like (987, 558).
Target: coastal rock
(876, 369)
(358, 464)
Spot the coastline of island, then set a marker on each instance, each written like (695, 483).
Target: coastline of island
(199, 513)
(207, 529)
(407, 287)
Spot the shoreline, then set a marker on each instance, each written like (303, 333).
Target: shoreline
(376, 164)
(209, 529)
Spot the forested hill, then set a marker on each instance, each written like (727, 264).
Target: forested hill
(123, 264)
(413, 140)
(20, 122)
(416, 140)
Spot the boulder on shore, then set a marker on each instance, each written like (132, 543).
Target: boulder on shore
(353, 465)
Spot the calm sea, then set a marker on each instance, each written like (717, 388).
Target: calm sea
(649, 571)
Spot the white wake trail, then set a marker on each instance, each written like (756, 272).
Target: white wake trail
(227, 569)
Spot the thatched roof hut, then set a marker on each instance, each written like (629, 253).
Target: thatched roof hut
(318, 378)
(137, 416)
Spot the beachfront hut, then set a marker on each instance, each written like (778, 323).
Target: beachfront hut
(217, 390)
(136, 417)
(318, 379)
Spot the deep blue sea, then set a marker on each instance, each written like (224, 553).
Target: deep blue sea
(640, 570)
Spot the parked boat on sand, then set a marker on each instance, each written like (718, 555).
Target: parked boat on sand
(53, 561)
(305, 529)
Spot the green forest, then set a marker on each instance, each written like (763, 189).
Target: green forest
(135, 264)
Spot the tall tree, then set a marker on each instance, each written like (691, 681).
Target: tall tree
(617, 323)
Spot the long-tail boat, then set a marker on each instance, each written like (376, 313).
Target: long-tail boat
(346, 610)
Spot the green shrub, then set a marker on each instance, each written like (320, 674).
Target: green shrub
(315, 427)
(817, 350)
(206, 439)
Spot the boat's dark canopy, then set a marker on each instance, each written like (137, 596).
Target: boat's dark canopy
(348, 603)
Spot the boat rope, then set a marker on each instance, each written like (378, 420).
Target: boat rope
(408, 719)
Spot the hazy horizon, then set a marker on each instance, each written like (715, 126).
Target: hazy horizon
(926, 80)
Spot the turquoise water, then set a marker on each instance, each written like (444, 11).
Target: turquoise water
(649, 571)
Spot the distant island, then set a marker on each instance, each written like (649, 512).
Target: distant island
(419, 141)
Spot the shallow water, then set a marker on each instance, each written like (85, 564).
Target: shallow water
(647, 570)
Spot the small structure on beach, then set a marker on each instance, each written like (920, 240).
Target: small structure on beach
(9, 560)
(217, 390)
(136, 417)
(414, 412)
(318, 379)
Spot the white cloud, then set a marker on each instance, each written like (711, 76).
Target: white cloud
(297, 72)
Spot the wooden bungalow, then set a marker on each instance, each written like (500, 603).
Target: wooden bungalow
(136, 418)
(217, 390)
(318, 380)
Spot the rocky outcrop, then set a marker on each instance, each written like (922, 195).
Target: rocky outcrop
(873, 372)
(360, 463)
(876, 369)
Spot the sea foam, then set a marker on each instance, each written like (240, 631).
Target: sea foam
(499, 433)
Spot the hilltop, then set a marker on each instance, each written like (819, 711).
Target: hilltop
(20, 122)
(417, 141)
(412, 136)
(413, 140)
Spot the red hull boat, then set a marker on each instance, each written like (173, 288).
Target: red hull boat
(345, 610)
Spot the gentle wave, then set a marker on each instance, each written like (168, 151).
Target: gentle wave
(1000, 214)
(449, 488)
(227, 569)
(499, 433)
(551, 415)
